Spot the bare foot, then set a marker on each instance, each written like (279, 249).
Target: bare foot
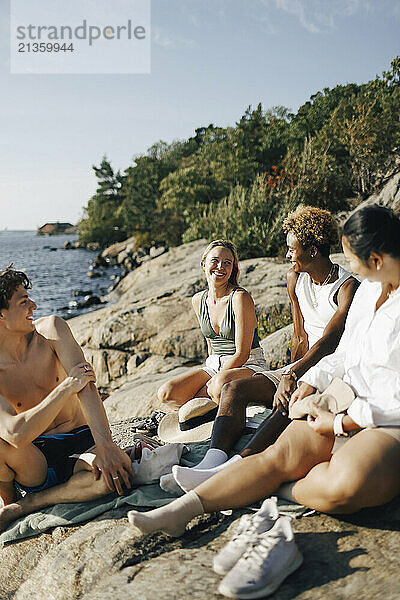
(10, 513)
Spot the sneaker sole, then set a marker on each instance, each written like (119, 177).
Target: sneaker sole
(265, 591)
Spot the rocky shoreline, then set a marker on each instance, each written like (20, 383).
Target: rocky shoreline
(148, 334)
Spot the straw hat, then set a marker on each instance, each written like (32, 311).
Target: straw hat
(193, 422)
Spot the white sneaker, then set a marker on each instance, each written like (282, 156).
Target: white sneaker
(250, 527)
(266, 563)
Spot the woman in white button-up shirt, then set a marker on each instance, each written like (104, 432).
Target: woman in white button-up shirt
(364, 471)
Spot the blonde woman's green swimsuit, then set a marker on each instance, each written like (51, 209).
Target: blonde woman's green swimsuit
(224, 342)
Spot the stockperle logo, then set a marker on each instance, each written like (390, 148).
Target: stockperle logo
(81, 36)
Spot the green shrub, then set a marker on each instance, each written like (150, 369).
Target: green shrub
(272, 321)
(247, 217)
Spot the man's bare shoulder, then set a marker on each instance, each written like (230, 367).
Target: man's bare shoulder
(52, 327)
(59, 335)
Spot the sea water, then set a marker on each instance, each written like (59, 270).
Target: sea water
(55, 273)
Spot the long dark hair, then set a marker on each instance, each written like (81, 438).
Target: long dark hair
(373, 228)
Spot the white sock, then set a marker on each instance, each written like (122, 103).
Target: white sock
(188, 479)
(168, 484)
(212, 458)
(171, 519)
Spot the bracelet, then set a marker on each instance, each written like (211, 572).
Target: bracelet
(338, 426)
(291, 374)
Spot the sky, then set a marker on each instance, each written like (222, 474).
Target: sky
(210, 60)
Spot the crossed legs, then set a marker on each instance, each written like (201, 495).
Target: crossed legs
(229, 424)
(234, 398)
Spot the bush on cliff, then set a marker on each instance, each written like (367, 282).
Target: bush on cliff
(340, 144)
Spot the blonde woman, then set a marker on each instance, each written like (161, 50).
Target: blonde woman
(227, 319)
(336, 464)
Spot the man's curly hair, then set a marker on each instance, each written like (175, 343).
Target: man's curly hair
(313, 227)
(10, 280)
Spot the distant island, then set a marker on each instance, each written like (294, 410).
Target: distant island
(57, 229)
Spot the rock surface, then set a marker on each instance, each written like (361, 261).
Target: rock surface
(151, 334)
(389, 195)
(147, 336)
(352, 558)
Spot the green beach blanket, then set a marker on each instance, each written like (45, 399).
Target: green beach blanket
(144, 496)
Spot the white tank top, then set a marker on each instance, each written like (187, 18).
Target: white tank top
(316, 303)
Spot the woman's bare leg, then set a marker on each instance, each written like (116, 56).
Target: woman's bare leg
(295, 453)
(216, 384)
(364, 472)
(179, 390)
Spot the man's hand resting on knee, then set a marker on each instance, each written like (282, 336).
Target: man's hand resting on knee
(115, 466)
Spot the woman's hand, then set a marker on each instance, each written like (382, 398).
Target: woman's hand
(302, 391)
(284, 391)
(321, 420)
(79, 376)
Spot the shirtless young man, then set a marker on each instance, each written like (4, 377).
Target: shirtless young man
(320, 294)
(49, 410)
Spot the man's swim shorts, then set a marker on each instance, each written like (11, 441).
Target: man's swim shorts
(57, 449)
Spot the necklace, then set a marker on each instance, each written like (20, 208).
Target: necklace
(314, 300)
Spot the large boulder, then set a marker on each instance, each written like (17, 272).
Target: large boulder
(276, 347)
(151, 329)
(388, 196)
(354, 558)
(112, 251)
(138, 396)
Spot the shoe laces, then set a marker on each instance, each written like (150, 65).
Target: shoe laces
(248, 526)
(260, 548)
